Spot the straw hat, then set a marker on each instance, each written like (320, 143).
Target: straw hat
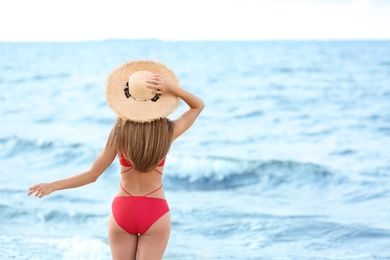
(128, 96)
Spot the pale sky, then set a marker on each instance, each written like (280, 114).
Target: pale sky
(78, 20)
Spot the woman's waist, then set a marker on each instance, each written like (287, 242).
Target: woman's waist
(152, 190)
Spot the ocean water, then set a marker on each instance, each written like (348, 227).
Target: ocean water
(289, 160)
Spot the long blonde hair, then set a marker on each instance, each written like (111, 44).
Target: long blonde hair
(143, 144)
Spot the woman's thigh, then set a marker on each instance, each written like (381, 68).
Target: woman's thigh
(152, 244)
(123, 244)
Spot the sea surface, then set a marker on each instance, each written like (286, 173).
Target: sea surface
(289, 160)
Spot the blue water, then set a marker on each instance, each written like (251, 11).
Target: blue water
(289, 160)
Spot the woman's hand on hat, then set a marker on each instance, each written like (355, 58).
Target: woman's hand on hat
(41, 189)
(160, 85)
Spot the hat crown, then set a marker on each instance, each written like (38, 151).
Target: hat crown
(137, 85)
(128, 95)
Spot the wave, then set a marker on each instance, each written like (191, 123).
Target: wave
(248, 114)
(57, 152)
(16, 145)
(194, 173)
(47, 245)
(16, 213)
(213, 173)
(298, 69)
(198, 173)
(33, 78)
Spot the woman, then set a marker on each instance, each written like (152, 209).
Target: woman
(142, 93)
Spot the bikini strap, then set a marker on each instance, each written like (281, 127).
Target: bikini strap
(128, 193)
(122, 172)
(157, 171)
(153, 191)
(126, 190)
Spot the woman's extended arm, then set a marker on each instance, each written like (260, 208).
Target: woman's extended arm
(195, 104)
(101, 163)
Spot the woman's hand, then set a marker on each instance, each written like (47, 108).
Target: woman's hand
(41, 189)
(161, 85)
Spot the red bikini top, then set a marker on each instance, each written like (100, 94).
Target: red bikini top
(126, 163)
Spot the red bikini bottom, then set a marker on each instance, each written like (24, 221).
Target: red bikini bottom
(136, 214)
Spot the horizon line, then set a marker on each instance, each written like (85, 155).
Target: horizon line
(201, 40)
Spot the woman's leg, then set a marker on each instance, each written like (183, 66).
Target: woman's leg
(152, 244)
(123, 244)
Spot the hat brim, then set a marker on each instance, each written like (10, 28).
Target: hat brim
(135, 110)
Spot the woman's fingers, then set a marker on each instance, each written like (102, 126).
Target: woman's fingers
(152, 83)
(37, 190)
(156, 77)
(157, 83)
(155, 80)
(32, 190)
(157, 91)
(151, 86)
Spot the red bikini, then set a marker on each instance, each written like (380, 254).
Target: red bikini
(136, 214)
(126, 163)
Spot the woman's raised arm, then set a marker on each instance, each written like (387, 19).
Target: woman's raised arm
(195, 104)
(101, 163)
